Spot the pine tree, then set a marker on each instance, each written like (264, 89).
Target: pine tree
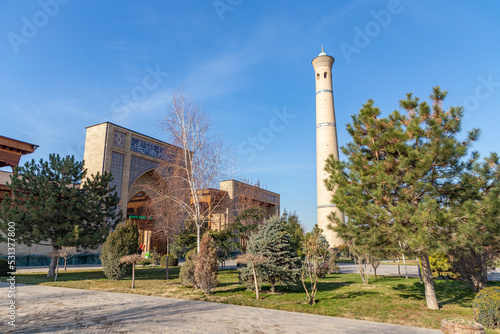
(273, 242)
(54, 203)
(295, 229)
(476, 242)
(398, 178)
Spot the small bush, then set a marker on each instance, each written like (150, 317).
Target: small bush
(155, 258)
(124, 240)
(4, 267)
(186, 274)
(323, 269)
(172, 261)
(440, 264)
(486, 307)
(245, 276)
(333, 267)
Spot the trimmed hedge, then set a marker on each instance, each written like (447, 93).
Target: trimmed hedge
(172, 261)
(486, 307)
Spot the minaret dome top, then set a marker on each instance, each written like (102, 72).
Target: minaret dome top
(322, 52)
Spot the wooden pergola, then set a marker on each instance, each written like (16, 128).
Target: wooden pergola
(11, 151)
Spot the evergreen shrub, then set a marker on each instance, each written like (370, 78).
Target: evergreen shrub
(172, 261)
(486, 307)
(207, 264)
(155, 258)
(282, 265)
(186, 274)
(124, 240)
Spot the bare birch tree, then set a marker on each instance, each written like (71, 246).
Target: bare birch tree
(165, 208)
(202, 160)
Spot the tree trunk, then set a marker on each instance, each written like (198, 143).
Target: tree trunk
(365, 278)
(399, 269)
(133, 274)
(406, 269)
(168, 259)
(255, 280)
(53, 262)
(198, 232)
(65, 262)
(375, 264)
(430, 292)
(57, 269)
(419, 272)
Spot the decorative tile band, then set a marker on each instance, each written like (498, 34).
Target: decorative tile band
(324, 90)
(327, 206)
(325, 124)
(147, 148)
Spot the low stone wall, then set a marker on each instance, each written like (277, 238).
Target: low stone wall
(43, 260)
(461, 326)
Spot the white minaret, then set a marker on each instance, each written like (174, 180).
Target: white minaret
(326, 142)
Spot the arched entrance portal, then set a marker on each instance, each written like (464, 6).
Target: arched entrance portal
(140, 209)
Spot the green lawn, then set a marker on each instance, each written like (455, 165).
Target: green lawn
(387, 299)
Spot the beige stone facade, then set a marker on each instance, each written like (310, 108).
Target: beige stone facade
(130, 156)
(326, 142)
(243, 196)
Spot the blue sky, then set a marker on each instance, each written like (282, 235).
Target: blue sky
(66, 65)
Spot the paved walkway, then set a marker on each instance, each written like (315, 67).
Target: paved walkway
(42, 309)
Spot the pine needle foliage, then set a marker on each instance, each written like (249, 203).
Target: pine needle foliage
(55, 203)
(273, 242)
(398, 178)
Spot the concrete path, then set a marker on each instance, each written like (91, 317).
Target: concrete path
(41, 309)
